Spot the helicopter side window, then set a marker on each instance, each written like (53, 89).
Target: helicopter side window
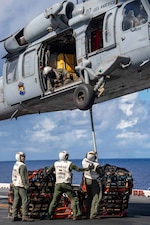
(95, 40)
(29, 64)
(95, 36)
(134, 15)
(11, 74)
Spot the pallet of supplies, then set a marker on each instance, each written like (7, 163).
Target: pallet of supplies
(116, 185)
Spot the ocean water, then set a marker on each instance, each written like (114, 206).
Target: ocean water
(140, 169)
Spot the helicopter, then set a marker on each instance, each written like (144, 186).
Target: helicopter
(73, 56)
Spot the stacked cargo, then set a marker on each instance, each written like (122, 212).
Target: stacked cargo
(41, 192)
(116, 184)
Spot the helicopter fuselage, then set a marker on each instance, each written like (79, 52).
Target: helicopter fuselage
(73, 56)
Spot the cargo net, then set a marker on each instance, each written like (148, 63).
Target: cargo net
(116, 185)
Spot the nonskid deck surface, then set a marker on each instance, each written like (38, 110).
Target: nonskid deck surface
(138, 214)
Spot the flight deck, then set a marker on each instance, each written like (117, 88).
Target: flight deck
(138, 214)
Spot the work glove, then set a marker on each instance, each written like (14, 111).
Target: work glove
(91, 166)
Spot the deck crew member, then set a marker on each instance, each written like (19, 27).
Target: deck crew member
(63, 171)
(21, 187)
(93, 186)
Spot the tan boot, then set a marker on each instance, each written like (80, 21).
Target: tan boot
(27, 219)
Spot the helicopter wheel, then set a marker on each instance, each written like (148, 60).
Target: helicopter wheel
(84, 96)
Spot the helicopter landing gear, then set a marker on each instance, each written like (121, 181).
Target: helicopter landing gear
(84, 96)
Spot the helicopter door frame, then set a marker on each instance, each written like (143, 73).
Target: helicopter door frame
(25, 85)
(109, 37)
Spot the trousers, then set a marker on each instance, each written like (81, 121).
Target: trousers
(94, 195)
(21, 198)
(58, 191)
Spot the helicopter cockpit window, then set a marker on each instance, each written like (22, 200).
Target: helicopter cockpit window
(134, 15)
(11, 74)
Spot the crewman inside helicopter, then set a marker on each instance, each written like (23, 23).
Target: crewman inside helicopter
(56, 77)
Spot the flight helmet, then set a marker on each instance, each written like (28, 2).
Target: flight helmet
(63, 156)
(19, 156)
(91, 155)
(46, 70)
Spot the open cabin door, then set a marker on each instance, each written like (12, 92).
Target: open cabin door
(21, 80)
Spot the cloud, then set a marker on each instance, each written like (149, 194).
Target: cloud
(127, 124)
(54, 129)
(133, 136)
(71, 138)
(80, 134)
(127, 103)
(132, 145)
(103, 115)
(45, 125)
(42, 131)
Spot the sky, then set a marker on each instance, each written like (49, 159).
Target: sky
(122, 125)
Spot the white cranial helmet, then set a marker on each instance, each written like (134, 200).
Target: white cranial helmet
(91, 155)
(18, 156)
(46, 70)
(63, 156)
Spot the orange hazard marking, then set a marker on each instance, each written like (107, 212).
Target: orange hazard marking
(138, 193)
(3, 206)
